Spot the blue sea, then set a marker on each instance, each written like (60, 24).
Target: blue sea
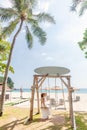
(80, 91)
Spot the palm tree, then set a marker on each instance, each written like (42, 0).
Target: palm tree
(22, 13)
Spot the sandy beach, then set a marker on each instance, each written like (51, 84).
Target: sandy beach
(80, 105)
(14, 120)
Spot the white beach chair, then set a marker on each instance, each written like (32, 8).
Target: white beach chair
(77, 98)
(53, 102)
(61, 101)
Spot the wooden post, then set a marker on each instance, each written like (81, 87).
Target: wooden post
(37, 90)
(70, 103)
(32, 100)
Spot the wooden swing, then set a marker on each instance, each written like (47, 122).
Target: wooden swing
(50, 72)
(56, 102)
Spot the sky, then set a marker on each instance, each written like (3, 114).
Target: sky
(61, 48)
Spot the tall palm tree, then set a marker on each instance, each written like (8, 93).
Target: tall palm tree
(22, 12)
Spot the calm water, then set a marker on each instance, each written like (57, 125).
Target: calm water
(81, 91)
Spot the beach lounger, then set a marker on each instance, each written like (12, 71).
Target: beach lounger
(54, 103)
(61, 101)
(77, 98)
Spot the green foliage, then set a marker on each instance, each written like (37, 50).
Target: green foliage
(80, 124)
(7, 31)
(5, 48)
(75, 3)
(29, 37)
(9, 82)
(3, 67)
(4, 53)
(37, 31)
(45, 17)
(6, 14)
(2, 48)
(83, 8)
(83, 43)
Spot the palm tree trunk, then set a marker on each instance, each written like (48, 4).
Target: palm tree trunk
(7, 69)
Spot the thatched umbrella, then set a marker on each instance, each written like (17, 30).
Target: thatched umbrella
(56, 88)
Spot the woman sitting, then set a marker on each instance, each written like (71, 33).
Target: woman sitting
(45, 112)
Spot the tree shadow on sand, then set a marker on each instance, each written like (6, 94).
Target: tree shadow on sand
(57, 122)
(11, 125)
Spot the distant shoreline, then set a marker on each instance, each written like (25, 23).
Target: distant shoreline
(80, 91)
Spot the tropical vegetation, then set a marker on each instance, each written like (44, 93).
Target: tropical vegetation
(10, 83)
(22, 13)
(83, 7)
(4, 53)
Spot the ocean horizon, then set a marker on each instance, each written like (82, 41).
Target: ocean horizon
(80, 91)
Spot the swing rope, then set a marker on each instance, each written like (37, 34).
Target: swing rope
(48, 88)
(63, 94)
(56, 95)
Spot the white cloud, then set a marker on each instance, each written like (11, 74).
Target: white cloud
(6, 3)
(72, 32)
(23, 31)
(44, 54)
(49, 58)
(44, 4)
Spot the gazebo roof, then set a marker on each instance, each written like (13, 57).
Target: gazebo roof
(52, 70)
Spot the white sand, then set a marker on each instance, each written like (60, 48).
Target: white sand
(77, 106)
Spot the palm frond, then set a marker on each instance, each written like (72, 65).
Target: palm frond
(83, 7)
(21, 5)
(17, 4)
(32, 21)
(73, 8)
(39, 33)
(29, 4)
(7, 13)
(74, 4)
(33, 3)
(7, 31)
(29, 37)
(45, 17)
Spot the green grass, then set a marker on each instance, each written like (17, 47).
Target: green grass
(80, 123)
(16, 102)
(21, 115)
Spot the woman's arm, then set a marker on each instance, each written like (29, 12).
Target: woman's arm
(43, 102)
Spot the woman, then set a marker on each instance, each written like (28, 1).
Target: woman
(45, 112)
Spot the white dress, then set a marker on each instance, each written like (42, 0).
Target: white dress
(45, 112)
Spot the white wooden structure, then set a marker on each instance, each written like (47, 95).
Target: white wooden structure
(51, 72)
